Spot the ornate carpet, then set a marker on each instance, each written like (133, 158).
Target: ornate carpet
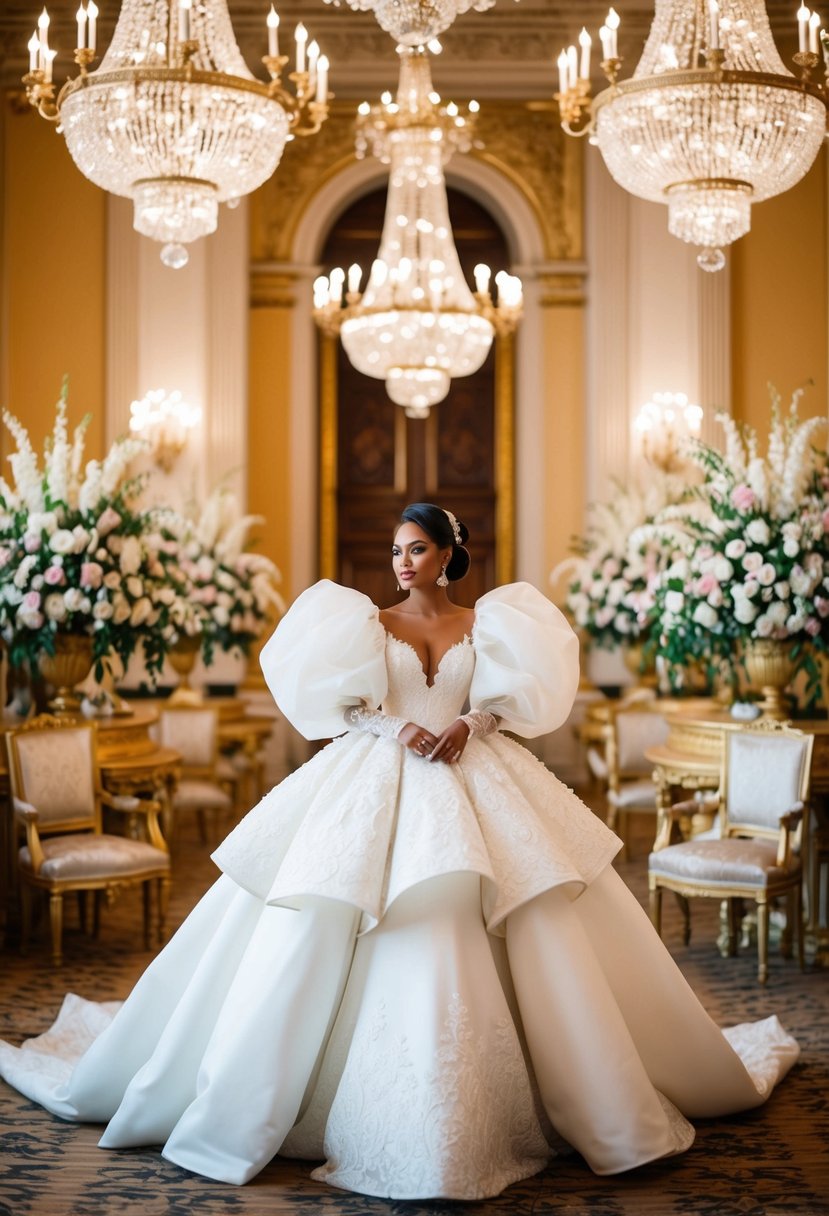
(770, 1162)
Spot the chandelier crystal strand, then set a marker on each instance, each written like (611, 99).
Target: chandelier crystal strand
(415, 22)
(711, 120)
(417, 324)
(174, 119)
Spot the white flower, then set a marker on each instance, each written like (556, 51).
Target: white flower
(782, 590)
(41, 521)
(120, 609)
(221, 616)
(130, 560)
(140, 612)
(705, 615)
(757, 531)
(112, 580)
(621, 623)
(795, 622)
(752, 562)
(102, 611)
(766, 575)
(21, 574)
(135, 586)
(715, 597)
(778, 612)
(62, 541)
(791, 547)
(801, 582)
(745, 611)
(750, 588)
(73, 598)
(735, 548)
(722, 569)
(674, 601)
(764, 627)
(55, 607)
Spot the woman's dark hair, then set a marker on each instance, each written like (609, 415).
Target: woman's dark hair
(437, 525)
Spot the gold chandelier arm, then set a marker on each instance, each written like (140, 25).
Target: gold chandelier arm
(703, 76)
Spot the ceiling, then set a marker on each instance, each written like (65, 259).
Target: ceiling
(508, 51)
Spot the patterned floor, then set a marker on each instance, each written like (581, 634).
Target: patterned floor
(770, 1162)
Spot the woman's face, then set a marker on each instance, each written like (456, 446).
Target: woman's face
(416, 559)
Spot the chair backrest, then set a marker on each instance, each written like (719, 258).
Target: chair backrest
(193, 731)
(636, 730)
(765, 774)
(54, 767)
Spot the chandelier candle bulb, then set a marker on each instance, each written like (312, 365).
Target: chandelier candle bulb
(322, 79)
(562, 72)
(34, 52)
(572, 67)
(313, 56)
(80, 17)
(92, 28)
(713, 25)
(802, 28)
(814, 31)
(272, 21)
(355, 273)
(585, 42)
(43, 36)
(184, 20)
(612, 21)
(605, 38)
(482, 275)
(300, 38)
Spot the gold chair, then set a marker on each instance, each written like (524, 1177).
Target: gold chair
(57, 797)
(634, 727)
(764, 789)
(193, 731)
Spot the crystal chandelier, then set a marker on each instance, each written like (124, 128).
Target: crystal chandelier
(415, 22)
(666, 423)
(173, 118)
(711, 120)
(417, 324)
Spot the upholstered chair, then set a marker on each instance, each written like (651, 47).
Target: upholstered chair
(57, 798)
(764, 789)
(634, 728)
(193, 731)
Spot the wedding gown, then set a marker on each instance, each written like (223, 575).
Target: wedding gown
(427, 975)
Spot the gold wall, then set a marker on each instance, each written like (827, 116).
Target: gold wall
(780, 301)
(53, 282)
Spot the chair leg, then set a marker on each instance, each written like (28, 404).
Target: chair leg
(96, 913)
(163, 902)
(26, 896)
(763, 940)
(82, 903)
(799, 924)
(655, 903)
(734, 920)
(685, 910)
(56, 920)
(787, 937)
(146, 894)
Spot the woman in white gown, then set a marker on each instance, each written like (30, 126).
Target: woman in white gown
(418, 962)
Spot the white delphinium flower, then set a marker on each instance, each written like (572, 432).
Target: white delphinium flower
(8, 495)
(27, 476)
(58, 457)
(76, 460)
(735, 452)
(797, 468)
(90, 492)
(116, 463)
(757, 480)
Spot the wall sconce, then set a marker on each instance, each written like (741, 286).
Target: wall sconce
(164, 419)
(666, 423)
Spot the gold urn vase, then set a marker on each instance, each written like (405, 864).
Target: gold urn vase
(640, 662)
(68, 666)
(182, 655)
(770, 668)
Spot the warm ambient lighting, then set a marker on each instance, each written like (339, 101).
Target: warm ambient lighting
(173, 118)
(666, 423)
(415, 22)
(164, 419)
(417, 324)
(710, 122)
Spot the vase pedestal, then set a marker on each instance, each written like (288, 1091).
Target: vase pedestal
(182, 656)
(65, 669)
(770, 669)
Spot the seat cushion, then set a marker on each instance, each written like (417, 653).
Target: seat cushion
(634, 796)
(196, 795)
(715, 863)
(87, 856)
(226, 770)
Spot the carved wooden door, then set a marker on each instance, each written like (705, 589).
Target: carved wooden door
(385, 460)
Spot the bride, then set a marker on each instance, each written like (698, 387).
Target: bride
(418, 963)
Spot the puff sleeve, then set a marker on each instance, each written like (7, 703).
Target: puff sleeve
(327, 653)
(526, 660)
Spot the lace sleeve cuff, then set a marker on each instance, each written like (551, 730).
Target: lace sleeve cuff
(480, 722)
(373, 722)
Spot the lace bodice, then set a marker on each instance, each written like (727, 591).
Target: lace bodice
(411, 697)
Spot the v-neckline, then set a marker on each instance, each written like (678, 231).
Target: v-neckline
(464, 641)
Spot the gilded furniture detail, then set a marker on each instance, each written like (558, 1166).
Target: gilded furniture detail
(193, 732)
(764, 789)
(57, 799)
(634, 728)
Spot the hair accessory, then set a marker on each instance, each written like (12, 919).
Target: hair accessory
(456, 530)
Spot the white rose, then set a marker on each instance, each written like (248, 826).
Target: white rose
(102, 610)
(795, 622)
(766, 575)
(745, 612)
(62, 541)
(73, 598)
(621, 623)
(715, 597)
(55, 607)
(679, 569)
(41, 521)
(82, 538)
(141, 611)
(778, 612)
(791, 547)
(750, 588)
(801, 582)
(120, 610)
(221, 616)
(722, 569)
(782, 590)
(764, 627)
(752, 562)
(112, 580)
(705, 615)
(791, 530)
(135, 586)
(735, 548)
(758, 532)
(615, 591)
(674, 601)
(165, 595)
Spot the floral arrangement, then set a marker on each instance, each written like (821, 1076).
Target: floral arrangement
(78, 557)
(232, 590)
(614, 577)
(753, 547)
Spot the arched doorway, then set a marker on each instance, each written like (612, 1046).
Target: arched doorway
(378, 459)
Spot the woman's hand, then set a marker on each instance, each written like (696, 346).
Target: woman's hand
(449, 747)
(417, 739)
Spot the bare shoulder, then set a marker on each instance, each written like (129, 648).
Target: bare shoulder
(467, 617)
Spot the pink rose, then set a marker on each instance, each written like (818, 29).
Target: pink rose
(31, 600)
(5, 557)
(108, 520)
(822, 606)
(31, 542)
(92, 575)
(743, 497)
(54, 576)
(705, 585)
(812, 626)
